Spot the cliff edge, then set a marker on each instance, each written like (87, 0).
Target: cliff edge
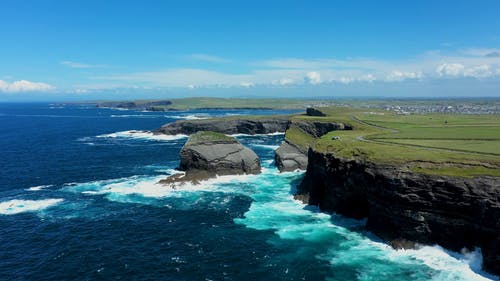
(404, 207)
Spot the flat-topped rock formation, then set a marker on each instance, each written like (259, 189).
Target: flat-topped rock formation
(240, 125)
(151, 105)
(208, 154)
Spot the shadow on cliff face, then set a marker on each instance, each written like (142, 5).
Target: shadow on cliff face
(294, 184)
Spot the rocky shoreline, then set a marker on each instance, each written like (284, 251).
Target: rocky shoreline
(251, 126)
(404, 207)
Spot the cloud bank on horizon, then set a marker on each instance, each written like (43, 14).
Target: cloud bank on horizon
(331, 49)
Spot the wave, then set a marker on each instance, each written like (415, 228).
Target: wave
(274, 208)
(332, 238)
(190, 117)
(17, 206)
(39, 187)
(143, 135)
(271, 147)
(451, 265)
(148, 186)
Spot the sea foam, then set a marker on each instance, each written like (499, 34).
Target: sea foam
(143, 135)
(39, 187)
(190, 117)
(17, 206)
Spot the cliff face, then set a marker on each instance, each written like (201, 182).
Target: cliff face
(226, 126)
(290, 157)
(209, 154)
(133, 105)
(219, 157)
(404, 207)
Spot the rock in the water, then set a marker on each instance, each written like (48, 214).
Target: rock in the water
(251, 126)
(289, 158)
(217, 154)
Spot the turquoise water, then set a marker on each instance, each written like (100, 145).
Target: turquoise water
(85, 204)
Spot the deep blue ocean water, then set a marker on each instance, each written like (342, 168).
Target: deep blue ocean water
(79, 201)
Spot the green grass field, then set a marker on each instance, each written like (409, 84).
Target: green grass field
(444, 144)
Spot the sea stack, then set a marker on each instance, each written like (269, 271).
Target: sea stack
(208, 154)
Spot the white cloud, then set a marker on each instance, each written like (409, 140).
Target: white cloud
(286, 81)
(367, 78)
(450, 69)
(295, 71)
(24, 86)
(73, 64)
(247, 84)
(313, 77)
(480, 71)
(346, 80)
(397, 75)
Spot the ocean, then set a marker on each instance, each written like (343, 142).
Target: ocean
(79, 200)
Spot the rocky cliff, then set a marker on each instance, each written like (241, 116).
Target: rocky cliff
(403, 207)
(289, 156)
(249, 126)
(208, 154)
(152, 105)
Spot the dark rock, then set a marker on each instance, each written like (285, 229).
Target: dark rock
(217, 154)
(226, 126)
(404, 207)
(152, 106)
(289, 158)
(311, 111)
(318, 129)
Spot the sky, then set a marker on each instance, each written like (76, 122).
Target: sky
(89, 49)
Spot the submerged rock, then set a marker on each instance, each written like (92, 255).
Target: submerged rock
(208, 154)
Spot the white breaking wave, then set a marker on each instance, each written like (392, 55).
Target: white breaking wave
(16, 206)
(272, 147)
(37, 188)
(274, 208)
(149, 186)
(144, 135)
(189, 117)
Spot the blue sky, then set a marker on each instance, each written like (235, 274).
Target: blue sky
(150, 49)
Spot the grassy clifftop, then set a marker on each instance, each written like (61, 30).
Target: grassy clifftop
(444, 144)
(209, 136)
